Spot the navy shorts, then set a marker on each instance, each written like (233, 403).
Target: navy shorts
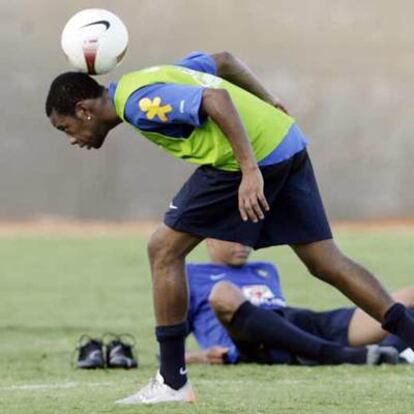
(331, 325)
(207, 206)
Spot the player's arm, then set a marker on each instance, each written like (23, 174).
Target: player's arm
(235, 71)
(160, 104)
(213, 355)
(217, 104)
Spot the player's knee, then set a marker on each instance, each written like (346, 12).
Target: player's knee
(324, 260)
(220, 294)
(318, 270)
(225, 298)
(154, 246)
(159, 247)
(327, 272)
(329, 267)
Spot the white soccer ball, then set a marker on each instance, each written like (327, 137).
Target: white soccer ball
(94, 41)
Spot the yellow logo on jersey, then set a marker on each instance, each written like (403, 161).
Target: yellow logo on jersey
(153, 108)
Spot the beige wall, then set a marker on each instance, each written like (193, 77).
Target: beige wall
(344, 68)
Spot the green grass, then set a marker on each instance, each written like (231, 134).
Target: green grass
(54, 289)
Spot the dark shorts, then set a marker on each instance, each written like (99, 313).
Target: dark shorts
(207, 206)
(330, 325)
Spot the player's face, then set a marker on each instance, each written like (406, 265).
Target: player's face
(228, 253)
(88, 132)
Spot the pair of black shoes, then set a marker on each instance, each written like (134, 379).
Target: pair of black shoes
(113, 351)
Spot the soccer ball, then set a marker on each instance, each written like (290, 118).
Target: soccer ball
(94, 41)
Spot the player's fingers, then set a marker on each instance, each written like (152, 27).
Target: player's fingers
(257, 209)
(218, 359)
(263, 202)
(220, 350)
(243, 213)
(216, 354)
(251, 212)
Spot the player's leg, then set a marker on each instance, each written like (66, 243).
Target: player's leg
(167, 250)
(225, 298)
(325, 261)
(248, 323)
(365, 330)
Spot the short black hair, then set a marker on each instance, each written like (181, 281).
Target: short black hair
(68, 89)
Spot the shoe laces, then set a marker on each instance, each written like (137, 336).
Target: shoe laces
(86, 344)
(156, 384)
(123, 343)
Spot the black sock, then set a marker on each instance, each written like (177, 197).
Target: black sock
(172, 354)
(397, 320)
(337, 354)
(273, 330)
(395, 341)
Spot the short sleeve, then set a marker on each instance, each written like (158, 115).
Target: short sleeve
(164, 104)
(199, 61)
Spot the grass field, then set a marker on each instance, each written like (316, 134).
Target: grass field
(53, 289)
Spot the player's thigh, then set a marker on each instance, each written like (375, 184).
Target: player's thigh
(365, 330)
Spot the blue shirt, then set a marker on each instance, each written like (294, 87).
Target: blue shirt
(184, 109)
(259, 282)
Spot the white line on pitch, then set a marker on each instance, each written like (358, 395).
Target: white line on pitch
(65, 385)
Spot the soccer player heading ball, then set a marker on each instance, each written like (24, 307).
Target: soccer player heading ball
(255, 185)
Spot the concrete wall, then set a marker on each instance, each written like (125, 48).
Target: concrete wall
(344, 68)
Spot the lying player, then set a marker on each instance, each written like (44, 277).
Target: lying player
(263, 329)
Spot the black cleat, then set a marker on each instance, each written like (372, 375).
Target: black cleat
(90, 353)
(119, 352)
(377, 355)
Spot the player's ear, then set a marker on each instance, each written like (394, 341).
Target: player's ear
(83, 110)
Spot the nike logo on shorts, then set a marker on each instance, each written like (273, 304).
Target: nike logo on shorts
(172, 206)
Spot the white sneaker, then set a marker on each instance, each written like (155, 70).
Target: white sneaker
(407, 355)
(158, 392)
(377, 355)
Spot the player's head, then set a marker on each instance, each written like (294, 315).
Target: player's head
(228, 253)
(80, 107)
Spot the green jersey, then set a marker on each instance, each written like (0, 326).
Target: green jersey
(207, 145)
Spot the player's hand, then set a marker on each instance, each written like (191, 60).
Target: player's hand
(252, 201)
(215, 355)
